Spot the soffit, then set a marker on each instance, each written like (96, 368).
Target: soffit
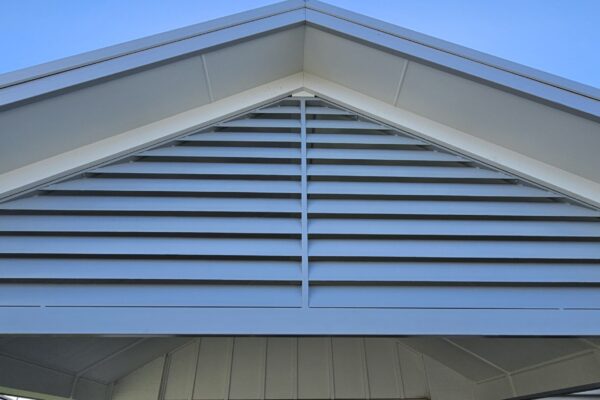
(57, 124)
(531, 128)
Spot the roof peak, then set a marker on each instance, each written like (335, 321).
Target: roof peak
(497, 71)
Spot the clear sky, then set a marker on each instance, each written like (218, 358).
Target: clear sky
(558, 36)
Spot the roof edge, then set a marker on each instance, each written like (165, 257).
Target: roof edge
(28, 84)
(65, 64)
(457, 50)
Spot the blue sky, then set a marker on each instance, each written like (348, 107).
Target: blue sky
(558, 36)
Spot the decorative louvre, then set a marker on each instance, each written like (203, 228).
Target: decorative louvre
(298, 204)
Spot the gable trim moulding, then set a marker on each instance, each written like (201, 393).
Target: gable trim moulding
(21, 180)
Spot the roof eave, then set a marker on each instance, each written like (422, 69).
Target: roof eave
(537, 85)
(123, 49)
(47, 79)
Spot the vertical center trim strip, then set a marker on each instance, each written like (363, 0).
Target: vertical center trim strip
(304, 205)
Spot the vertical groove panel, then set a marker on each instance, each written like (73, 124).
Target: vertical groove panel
(382, 368)
(212, 375)
(283, 368)
(248, 368)
(313, 368)
(280, 381)
(348, 368)
(182, 372)
(413, 373)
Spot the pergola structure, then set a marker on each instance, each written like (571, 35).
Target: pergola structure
(297, 202)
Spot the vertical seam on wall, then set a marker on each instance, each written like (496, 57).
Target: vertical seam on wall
(400, 81)
(162, 388)
(231, 349)
(365, 368)
(399, 374)
(264, 368)
(207, 78)
(304, 204)
(196, 369)
(427, 385)
(331, 370)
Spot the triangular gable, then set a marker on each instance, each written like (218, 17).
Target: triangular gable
(300, 204)
(516, 116)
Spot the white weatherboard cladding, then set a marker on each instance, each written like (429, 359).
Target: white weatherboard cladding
(298, 210)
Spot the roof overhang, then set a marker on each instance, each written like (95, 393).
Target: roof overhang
(44, 79)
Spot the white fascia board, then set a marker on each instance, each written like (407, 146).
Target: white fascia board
(137, 45)
(497, 156)
(28, 90)
(563, 94)
(106, 150)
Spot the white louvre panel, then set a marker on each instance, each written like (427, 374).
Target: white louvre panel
(395, 222)
(211, 219)
(298, 204)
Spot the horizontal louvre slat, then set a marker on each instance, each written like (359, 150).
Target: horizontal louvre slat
(381, 155)
(168, 246)
(243, 137)
(153, 204)
(223, 152)
(453, 228)
(149, 295)
(150, 224)
(454, 249)
(326, 111)
(148, 269)
(279, 110)
(362, 139)
(262, 123)
(393, 171)
(460, 271)
(426, 189)
(342, 124)
(447, 208)
(454, 297)
(176, 185)
(191, 168)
